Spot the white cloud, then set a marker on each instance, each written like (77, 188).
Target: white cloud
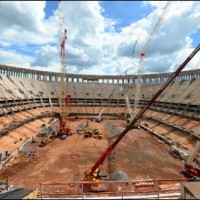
(22, 14)
(45, 56)
(14, 59)
(93, 46)
(22, 23)
(172, 38)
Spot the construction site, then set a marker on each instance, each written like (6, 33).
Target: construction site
(100, 136)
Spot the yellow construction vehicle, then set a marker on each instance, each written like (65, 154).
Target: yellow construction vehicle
(45, 140)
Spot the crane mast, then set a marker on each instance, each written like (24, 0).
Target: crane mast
(64, 99)
(142, 55)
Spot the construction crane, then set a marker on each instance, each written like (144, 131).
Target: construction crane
(143, 52)
(189, 169)
(130, 110)
(64, 99)
(99, 118)
(94, 172)
(133, 53)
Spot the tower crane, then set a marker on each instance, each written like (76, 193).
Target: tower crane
(64, 99)
(143, 52)
(94, 172)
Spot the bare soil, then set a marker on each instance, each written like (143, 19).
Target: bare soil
(139, 155)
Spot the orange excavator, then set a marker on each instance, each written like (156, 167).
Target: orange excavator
(94, 173)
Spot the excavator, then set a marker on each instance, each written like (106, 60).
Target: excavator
(191, 169)
(94, 173)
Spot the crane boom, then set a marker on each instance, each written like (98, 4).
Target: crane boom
(157, 25)
(130, 111)
(98, 164)
(103, 109)
(143, 52)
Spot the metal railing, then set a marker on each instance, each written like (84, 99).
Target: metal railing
(114, 189)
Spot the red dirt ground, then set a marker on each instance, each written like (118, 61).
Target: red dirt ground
(138, 154)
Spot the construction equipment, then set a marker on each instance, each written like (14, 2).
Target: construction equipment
(92, 133)
(143, 52)
(47, 133)
(97, 134)
(95, 170)
(64, 99)
(99, 118)
(129, 117)
(45, 140)
(190, 170)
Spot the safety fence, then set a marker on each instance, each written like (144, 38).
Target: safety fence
(112, 189)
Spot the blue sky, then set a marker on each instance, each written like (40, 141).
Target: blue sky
(125, 12)
(101, 35)
(195, 37)
(50, 7)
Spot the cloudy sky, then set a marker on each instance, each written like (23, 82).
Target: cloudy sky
(101, 35)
